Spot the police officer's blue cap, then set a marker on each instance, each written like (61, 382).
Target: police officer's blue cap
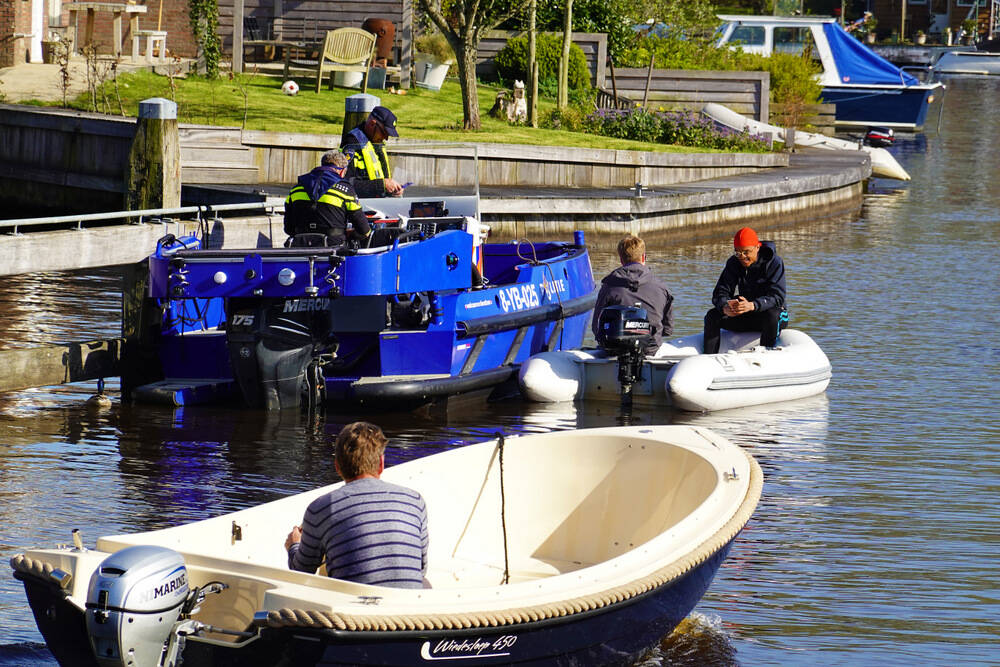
(387, 118)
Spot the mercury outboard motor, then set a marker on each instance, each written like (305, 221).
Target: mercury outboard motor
(272, 345)
(879, 137)
(135, 597)
(625, 332)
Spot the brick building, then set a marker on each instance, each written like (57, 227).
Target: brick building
(25, 24)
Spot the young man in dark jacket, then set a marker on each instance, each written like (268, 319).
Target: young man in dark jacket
(323, 202)
(750, 294)
(634, 284)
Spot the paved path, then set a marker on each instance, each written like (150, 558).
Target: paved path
(39, 81)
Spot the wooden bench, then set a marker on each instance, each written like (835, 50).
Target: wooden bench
(348, 50)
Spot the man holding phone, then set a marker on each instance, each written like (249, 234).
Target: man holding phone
(750, 293)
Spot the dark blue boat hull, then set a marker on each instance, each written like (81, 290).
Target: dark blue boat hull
(859, 106)
(614, 635)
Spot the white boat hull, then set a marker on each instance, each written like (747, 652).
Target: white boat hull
(572, 547)
(743, 374)
(883, 163)
(968, 62)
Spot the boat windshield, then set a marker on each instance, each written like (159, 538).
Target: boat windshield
(441, 179)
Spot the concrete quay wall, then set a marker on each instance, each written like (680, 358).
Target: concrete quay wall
(73, 159)
(60, 161)
(816, 184)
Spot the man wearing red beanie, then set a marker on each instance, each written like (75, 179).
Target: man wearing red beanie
(750, 293)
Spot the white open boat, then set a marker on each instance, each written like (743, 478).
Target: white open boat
(967, 62)
(883, 163)
(742, 374)
(608, 538)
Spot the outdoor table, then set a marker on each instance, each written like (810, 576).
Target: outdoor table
(116, 9)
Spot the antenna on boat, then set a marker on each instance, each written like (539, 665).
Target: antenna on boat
(503, 513)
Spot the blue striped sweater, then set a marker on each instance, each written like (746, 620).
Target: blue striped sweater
(370, 531)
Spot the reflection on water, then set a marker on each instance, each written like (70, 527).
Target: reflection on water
(876, 537)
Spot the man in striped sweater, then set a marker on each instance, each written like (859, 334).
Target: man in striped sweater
(369, 531)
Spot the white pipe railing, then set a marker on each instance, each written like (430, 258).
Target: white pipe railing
(199, 211)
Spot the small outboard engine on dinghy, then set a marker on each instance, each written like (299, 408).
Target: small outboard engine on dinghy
(879, 137)
(625, 332)
(135, 597)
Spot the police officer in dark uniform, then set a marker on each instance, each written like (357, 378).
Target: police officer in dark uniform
(369, 167)
(323, 202)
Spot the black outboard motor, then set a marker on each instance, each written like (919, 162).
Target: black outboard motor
(272, 345)
(879, 137)
(625, 332)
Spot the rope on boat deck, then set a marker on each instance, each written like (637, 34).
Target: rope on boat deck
(353, 622)
(28, 565)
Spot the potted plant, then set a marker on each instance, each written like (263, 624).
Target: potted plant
(434, 58)
(920, 37)
(969, 27)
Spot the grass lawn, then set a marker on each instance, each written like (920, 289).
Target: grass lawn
(255, 102)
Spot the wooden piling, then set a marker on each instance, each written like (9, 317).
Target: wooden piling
(153, 179)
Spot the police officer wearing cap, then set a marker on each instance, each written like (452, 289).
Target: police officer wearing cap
(323, 202)
(750, 293)
(369, 167)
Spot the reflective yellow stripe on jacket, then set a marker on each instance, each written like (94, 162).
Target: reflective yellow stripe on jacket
(366, 160)
(333, 197)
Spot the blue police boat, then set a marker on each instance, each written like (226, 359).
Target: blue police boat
(427, 311)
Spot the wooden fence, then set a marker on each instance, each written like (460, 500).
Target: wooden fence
(593, 45)
(819, 118)
(672, 89)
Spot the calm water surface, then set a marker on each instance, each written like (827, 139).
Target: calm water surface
(878, 533)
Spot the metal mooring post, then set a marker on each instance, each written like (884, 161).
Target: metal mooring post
(356, 110)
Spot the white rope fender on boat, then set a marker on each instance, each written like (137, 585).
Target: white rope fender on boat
(39, 568)
(304, 618)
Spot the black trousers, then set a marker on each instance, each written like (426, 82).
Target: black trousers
(766, 322)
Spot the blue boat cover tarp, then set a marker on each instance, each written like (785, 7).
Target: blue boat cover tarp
(859, 64)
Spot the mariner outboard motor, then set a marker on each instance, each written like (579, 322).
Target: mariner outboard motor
(275, 347)
(625, 332)
(879, 137)
(136, 596)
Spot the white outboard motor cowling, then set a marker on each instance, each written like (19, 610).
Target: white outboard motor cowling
(134, 599)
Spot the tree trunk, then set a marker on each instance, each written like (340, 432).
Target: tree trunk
(563, 101)
(532, 65)
(470, 94)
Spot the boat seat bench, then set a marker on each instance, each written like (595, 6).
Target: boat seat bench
(463, 572)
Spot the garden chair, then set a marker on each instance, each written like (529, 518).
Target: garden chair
(348, 50)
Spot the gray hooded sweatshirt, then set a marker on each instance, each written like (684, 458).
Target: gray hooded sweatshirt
(634, 284)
